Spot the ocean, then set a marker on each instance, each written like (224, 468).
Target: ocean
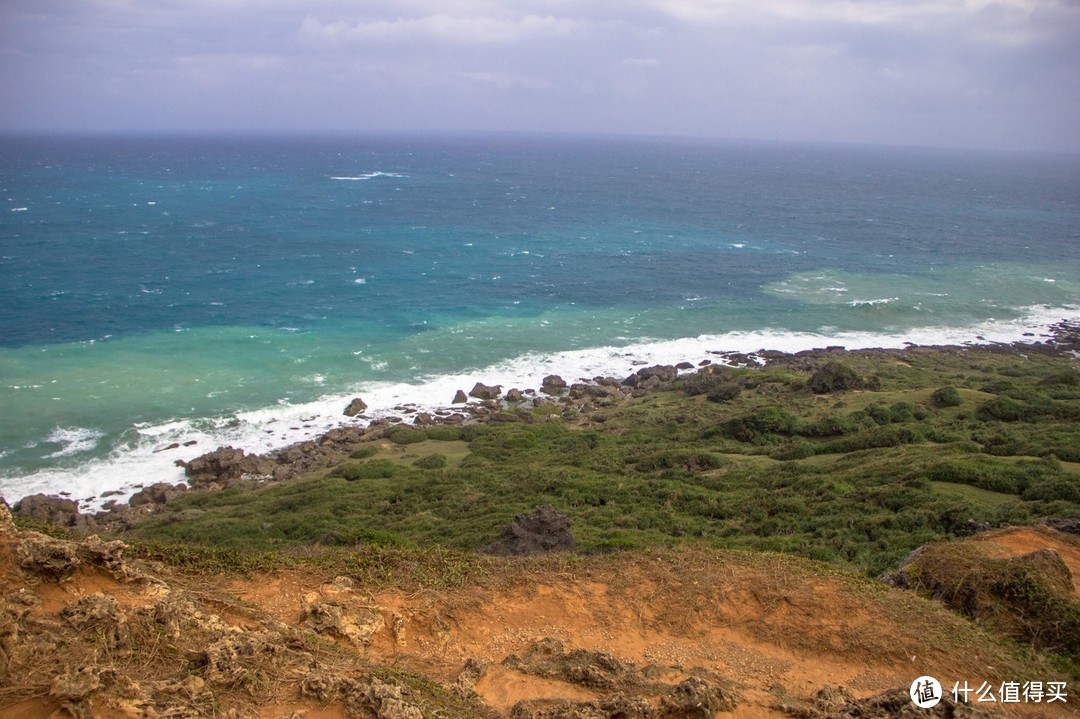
(205, 291)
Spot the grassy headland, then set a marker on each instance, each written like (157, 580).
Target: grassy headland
(852, 458)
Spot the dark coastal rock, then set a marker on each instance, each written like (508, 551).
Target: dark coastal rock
(460, 397)
(423, 419)
(514, 395)
(157, 493)
(545, 530)
(579, 390)
(225, 464)
(356, 406)
(483, 391)
(553, 384)
(54, 510)
(661, 373)
(684, 365)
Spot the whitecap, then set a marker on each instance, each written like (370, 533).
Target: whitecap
(72, 440)
(20, 209)
(870, 303)
(366, 176)
(359, 281)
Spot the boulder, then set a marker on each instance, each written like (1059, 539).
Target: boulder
(545, 530)
(483, 391)
(460, 397)
(54, 510)
(662, 373)
(225, 464)
(157, 493)
(514, 395)
(553, 384)
(356, 406)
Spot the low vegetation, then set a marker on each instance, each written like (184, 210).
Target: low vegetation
(797, 457)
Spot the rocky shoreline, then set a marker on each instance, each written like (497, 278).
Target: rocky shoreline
(229, 467)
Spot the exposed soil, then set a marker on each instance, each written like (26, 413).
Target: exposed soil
(85, 633)
(1018, 541)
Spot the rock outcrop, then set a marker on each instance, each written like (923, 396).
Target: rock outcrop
(545, 530)
(54, 510)
(483, 391)
(355, 407)
(223, 465)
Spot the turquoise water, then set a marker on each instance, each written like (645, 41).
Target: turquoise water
(237, 290)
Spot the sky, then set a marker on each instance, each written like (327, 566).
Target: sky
(1000, 74)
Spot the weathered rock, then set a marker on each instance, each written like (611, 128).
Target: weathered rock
(51, 558)
(483, 391)
(356, 624)
(355, 407)
(423, 419)
(545, 530)
(696, 698)
(514, 395)
(227, 660)
(838, 703)
(362, 697)
(225, 464)
(7, 522)
(553, 384)
(684, 365)
(98, 614)
(58, 559)
(460, 397)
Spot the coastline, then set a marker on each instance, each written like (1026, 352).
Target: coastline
(288, 435)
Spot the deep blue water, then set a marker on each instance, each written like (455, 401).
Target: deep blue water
(160, 288)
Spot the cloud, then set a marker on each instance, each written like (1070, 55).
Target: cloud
(441, 26)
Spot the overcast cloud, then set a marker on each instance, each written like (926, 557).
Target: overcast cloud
(999, 74)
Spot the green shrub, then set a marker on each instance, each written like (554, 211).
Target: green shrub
(1050, 489)
(375, 469)
(431, 461)
(876, 438)
(406, 435)
(724, 392)
(946, 397)
(363, 453)
(834, 376)
(1003, 409)
(444, 433)
(762, 422)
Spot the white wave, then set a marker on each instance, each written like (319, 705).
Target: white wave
(360, 281)
(871, 303)
(151, 456)
(20, 209)
(366, 176)
(72, 440)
